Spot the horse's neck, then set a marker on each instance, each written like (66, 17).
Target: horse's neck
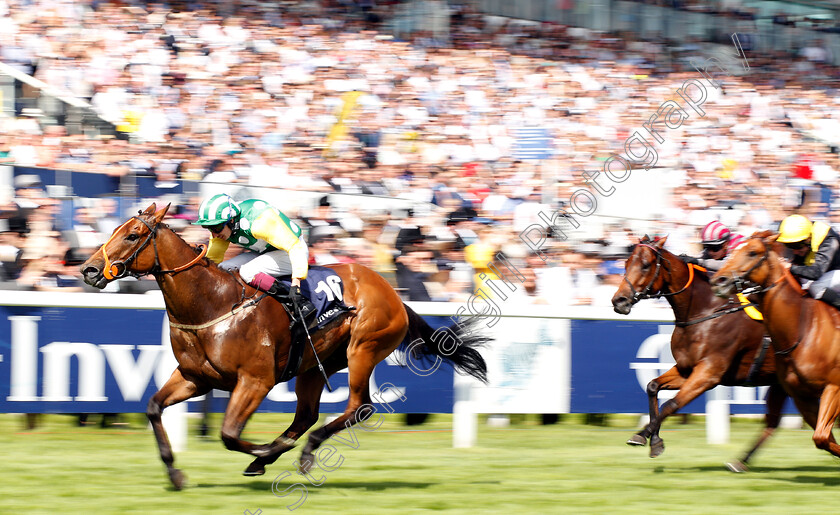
(216, 289)
(782, 306)
(683, 303)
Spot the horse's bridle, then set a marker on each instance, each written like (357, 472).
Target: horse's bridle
(645, 293)
(742, 282)
(119, 269)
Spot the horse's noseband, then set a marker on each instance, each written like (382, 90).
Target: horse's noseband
(645, 292)
(742, 282)
(119, 269)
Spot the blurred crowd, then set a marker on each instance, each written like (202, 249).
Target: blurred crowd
(749, 11)
(316, 96)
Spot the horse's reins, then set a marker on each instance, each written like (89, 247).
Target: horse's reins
(716, 314)
(119, 269)
(645, 293)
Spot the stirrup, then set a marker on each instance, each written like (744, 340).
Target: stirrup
(307, 311)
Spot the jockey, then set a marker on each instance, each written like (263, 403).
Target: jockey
(274, 242)
(815, 256)
(717, 241)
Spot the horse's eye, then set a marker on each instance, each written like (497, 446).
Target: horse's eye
(645, 266)
(753, 253)
(132, 237)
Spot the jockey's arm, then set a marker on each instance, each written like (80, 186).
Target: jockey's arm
(269, 226)
(711, 265)
(822, 261)
(216, 250)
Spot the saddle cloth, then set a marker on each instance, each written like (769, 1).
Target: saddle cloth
(751, 311)
(324, 288)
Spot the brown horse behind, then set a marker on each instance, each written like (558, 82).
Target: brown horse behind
(714, 342)
(805, 332)
(229, 336)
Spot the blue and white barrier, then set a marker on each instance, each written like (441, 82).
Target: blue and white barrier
(98, 352)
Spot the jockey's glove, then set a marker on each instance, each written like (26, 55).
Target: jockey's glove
(689, 259)
(296, 296)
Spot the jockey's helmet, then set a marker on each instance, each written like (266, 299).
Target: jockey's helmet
(735, 240)
(794, 228)
(715, 233)
(217, 209)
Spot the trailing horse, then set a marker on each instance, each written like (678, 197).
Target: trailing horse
(229, 336)
(714, 342)
(805, 332)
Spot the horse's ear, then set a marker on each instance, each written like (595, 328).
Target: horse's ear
(161, 212)
(644, 239)
(149, 210)
(660, 242)
(770, 239)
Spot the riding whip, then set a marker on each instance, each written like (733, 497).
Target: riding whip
(314, 352)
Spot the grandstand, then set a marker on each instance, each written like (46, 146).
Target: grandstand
(111, 104)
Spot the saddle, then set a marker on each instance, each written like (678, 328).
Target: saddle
(322, 291)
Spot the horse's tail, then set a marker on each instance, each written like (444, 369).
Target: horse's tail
(455, 345)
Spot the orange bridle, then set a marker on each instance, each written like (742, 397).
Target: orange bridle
(119, 269)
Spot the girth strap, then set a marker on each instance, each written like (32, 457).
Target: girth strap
(755, 368)
(227, 315)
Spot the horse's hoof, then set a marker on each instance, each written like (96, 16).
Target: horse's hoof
(657, 446)
(637, 440)
(737, 466)
(256, 468)
(178, 479)
(306, 463)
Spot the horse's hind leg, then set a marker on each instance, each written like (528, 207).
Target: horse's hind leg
(176, 389)
(775, 400)
(361, 363)
(308, 388)
(829, 410)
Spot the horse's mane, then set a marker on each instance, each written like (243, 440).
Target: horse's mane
(195, 248)
(774, 245)
(761, 234)
(647, 240)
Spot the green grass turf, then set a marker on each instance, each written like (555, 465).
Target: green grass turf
(525, 468)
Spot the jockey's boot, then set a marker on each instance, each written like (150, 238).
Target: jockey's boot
(831, 297)
(281, 293)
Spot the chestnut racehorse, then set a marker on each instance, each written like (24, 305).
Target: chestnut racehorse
(714, 341)
(229, 336)
(805, 332)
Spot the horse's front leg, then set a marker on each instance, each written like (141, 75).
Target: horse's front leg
(308, 389)
(244, 401)
(670, 380)
(828, 413)
(176, 389)
(706, 375)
